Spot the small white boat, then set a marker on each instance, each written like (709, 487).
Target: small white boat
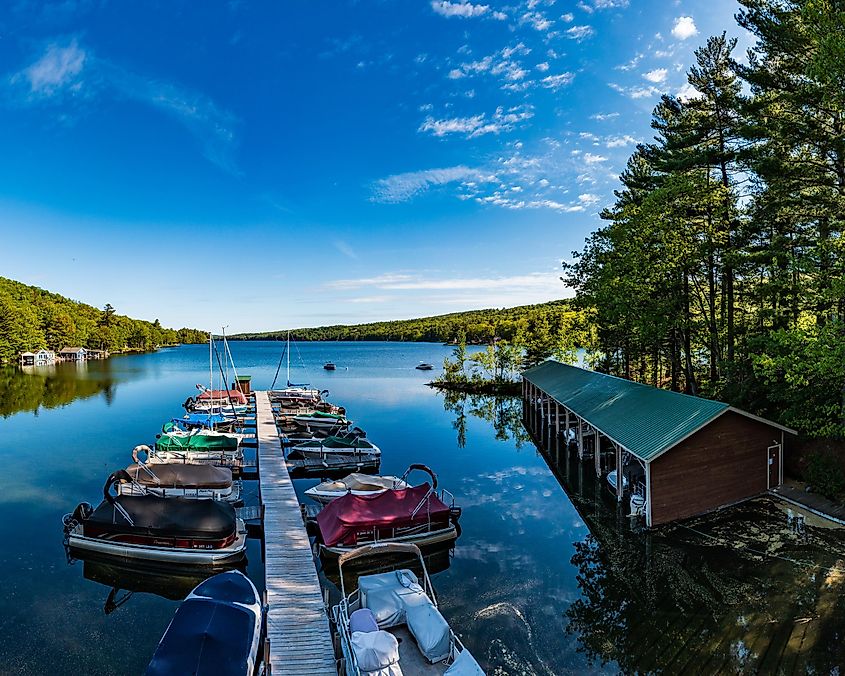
(170, 480)
(355, 483)
(611, 480)
(215, 631)
(391, 624)
(423, 366)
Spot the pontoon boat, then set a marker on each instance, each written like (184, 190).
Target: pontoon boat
(335, 445)
(169, 480)
(319, 419)
(151, 528)
(391, 624)
(356, 484)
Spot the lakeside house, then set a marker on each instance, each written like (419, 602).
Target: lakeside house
(73, 354)
(97, 354)
(42, 357)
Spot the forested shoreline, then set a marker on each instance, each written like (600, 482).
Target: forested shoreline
(547, 323)
(32, 318)
(721, 268)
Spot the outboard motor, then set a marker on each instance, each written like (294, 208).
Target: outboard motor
(190, 404)
(81, 513)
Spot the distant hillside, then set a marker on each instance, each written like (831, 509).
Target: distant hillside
(31, 318)
(479, 326)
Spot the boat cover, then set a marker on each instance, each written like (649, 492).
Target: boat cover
(170, 441)
(208, 636)
(337, 442)
(429, 628)
(341, 519)
(382, 594)
(165, 517)
(236, 396)
(231, 586)
(358, 482)
(209, 420)
(377, 653)
(323, 414)
(181, 475)
(464, 665)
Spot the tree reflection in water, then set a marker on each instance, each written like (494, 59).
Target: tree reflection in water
(33, 387)
(503, 413)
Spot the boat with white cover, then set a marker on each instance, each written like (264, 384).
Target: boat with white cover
(355, 483)
(216, 631)
(179, 531)
(170, 480)
(391, 624)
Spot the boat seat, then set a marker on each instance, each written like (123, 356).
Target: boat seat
(381, 593)
(428, 627)
(363, 620)
(376, 652)
(464, 665)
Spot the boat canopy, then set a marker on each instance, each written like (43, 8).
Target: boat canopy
(205, 419)
(358, 482)
(236, 396)
(181, 475)
(170, 441)
(164, 517)
(342, 519)
(209, 635)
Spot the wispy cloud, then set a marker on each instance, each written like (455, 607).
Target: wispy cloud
(345, 249)
(405, 282)
(579, 32)
(67, 68)
(557, 81)
(656, 75)
(603, 117)
(684, 28)
(502, 120)
(402, 187)
(465, 10)
(381, 281)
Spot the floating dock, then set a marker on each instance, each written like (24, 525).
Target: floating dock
(297, 625)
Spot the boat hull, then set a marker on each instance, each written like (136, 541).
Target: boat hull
(232, 494)
(124, 551)
(426, 539)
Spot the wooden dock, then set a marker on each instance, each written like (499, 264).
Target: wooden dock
(297, 625)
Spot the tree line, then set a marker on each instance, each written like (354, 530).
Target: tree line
(719, 270)
(32, 318)
(542, 326)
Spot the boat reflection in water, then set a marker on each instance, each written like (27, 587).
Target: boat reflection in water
(735, 591)
(127, 580)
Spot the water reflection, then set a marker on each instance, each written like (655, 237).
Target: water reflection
(732, 592)
(29, 388)
(503, 413)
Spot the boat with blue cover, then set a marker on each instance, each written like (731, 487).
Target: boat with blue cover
(216, 630)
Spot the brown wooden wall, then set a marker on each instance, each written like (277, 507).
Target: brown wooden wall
(722, 463)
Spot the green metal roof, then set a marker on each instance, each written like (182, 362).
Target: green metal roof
(644, 420)
(244, 378)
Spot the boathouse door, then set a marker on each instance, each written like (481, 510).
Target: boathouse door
(774, 465)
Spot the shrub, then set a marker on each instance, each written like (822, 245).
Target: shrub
(824, 472)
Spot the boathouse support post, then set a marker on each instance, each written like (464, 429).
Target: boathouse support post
(557, 431)
(620, 473)
(597, 453)
(549, 422)
(580, 438)
(566, 429)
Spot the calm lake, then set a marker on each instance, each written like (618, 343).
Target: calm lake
(546, 578)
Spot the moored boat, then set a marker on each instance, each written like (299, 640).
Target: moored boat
(415, 515)
(423, 366)
(335, 445)
(330, 366)
(197, 446)
(169, 480)
(151, 528)
(356, 484)
(390, 623)
(321, 419)
(216, 630)
(210, 421)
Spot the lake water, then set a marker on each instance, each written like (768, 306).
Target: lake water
(546, 578)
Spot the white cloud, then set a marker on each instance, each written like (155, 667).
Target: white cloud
(345, 249)
(603, 117)
(588, 198)
(57, 69)
(684, 28)
(687, 92)
(579, 32)
(455, 74)
(402, 187)
(536, 20)
(462, 9)
(405, 282)
(590, 158)
(656, 75)
(635, 92)
(378, 281)
(609, 4)
(557, 81)
(620, 141)
(478, 125)
(542, 67)
(569, 17)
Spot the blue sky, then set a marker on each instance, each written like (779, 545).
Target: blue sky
(270, 165)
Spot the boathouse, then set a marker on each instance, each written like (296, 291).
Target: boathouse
(43, 357)
(679, 455)
(73, 353)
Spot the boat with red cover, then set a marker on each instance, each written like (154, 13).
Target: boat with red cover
(417, 515)
(173, 530)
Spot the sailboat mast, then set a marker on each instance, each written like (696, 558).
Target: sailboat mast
(288, 353)
(210, 365)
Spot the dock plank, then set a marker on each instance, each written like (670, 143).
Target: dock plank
(297, 625)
